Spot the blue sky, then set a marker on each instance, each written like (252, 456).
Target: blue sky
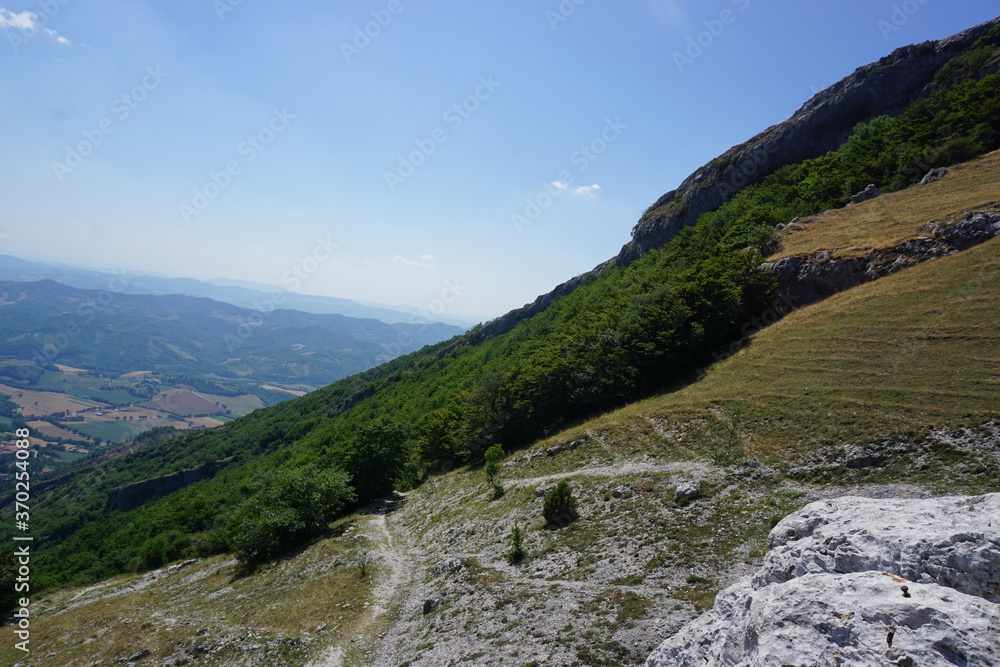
(396, 151)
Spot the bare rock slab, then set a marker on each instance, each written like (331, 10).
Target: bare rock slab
(830, 590)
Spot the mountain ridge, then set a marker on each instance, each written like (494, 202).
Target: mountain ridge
(241, 293)
(680, 466)
(88, 327)
(885, 87)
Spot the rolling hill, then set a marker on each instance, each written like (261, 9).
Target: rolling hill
(45, 322)
(243, 294)
(886, 389)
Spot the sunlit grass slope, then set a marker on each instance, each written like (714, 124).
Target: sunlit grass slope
(898, 216)
(916, 350)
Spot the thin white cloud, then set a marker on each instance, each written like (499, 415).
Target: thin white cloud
(428, 258)
(59, 38)
(586, 190)
(24, 21)
(255, 247)
(399, 259)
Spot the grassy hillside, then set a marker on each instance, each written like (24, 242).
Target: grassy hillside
(896, 217)
(855, 390)
(891, 388)
(892, 359)
(629, 333)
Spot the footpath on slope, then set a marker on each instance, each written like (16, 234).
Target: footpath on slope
(394, 570)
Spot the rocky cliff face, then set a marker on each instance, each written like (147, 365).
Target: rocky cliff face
(805, 280)
(137, 494)
(856, 581)
(886, 87)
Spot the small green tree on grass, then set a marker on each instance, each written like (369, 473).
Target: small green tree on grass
(516, 553)
(289, 507)
(493, 456)
(732, 426)
(560, 505)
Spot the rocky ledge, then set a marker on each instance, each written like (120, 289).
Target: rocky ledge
(806, 280)
(858, 581)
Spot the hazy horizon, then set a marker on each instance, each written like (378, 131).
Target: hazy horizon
(382, 151)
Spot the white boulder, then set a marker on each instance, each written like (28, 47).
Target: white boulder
(830, 590)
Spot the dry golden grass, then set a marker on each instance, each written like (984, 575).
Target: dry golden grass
(898, 216)
(49, 430)
(271, 387)
(130, 376)
(47, 401)
(913, 351)
(201, 602)
(916, 350)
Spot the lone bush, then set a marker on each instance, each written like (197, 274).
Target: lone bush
(289, 508)
(516, 553)
(493, 456)
(560, 505)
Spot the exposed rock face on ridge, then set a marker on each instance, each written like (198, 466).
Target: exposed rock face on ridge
(806, 280)
(830, 590)
(885, 87)
(137, 494)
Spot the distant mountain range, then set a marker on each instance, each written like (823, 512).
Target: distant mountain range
(46, 322)
(240, 293)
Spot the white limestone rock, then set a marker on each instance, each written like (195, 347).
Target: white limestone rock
(952, 541)
(830, 590)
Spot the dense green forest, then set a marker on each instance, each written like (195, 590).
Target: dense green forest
(624, 334)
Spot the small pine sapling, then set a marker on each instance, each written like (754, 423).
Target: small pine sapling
(517, 552)
(493, 456)
(560, 505)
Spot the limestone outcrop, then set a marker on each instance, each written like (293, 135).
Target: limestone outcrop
(857, 581)
(885, 87)
(806, 280)
(136, 494)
